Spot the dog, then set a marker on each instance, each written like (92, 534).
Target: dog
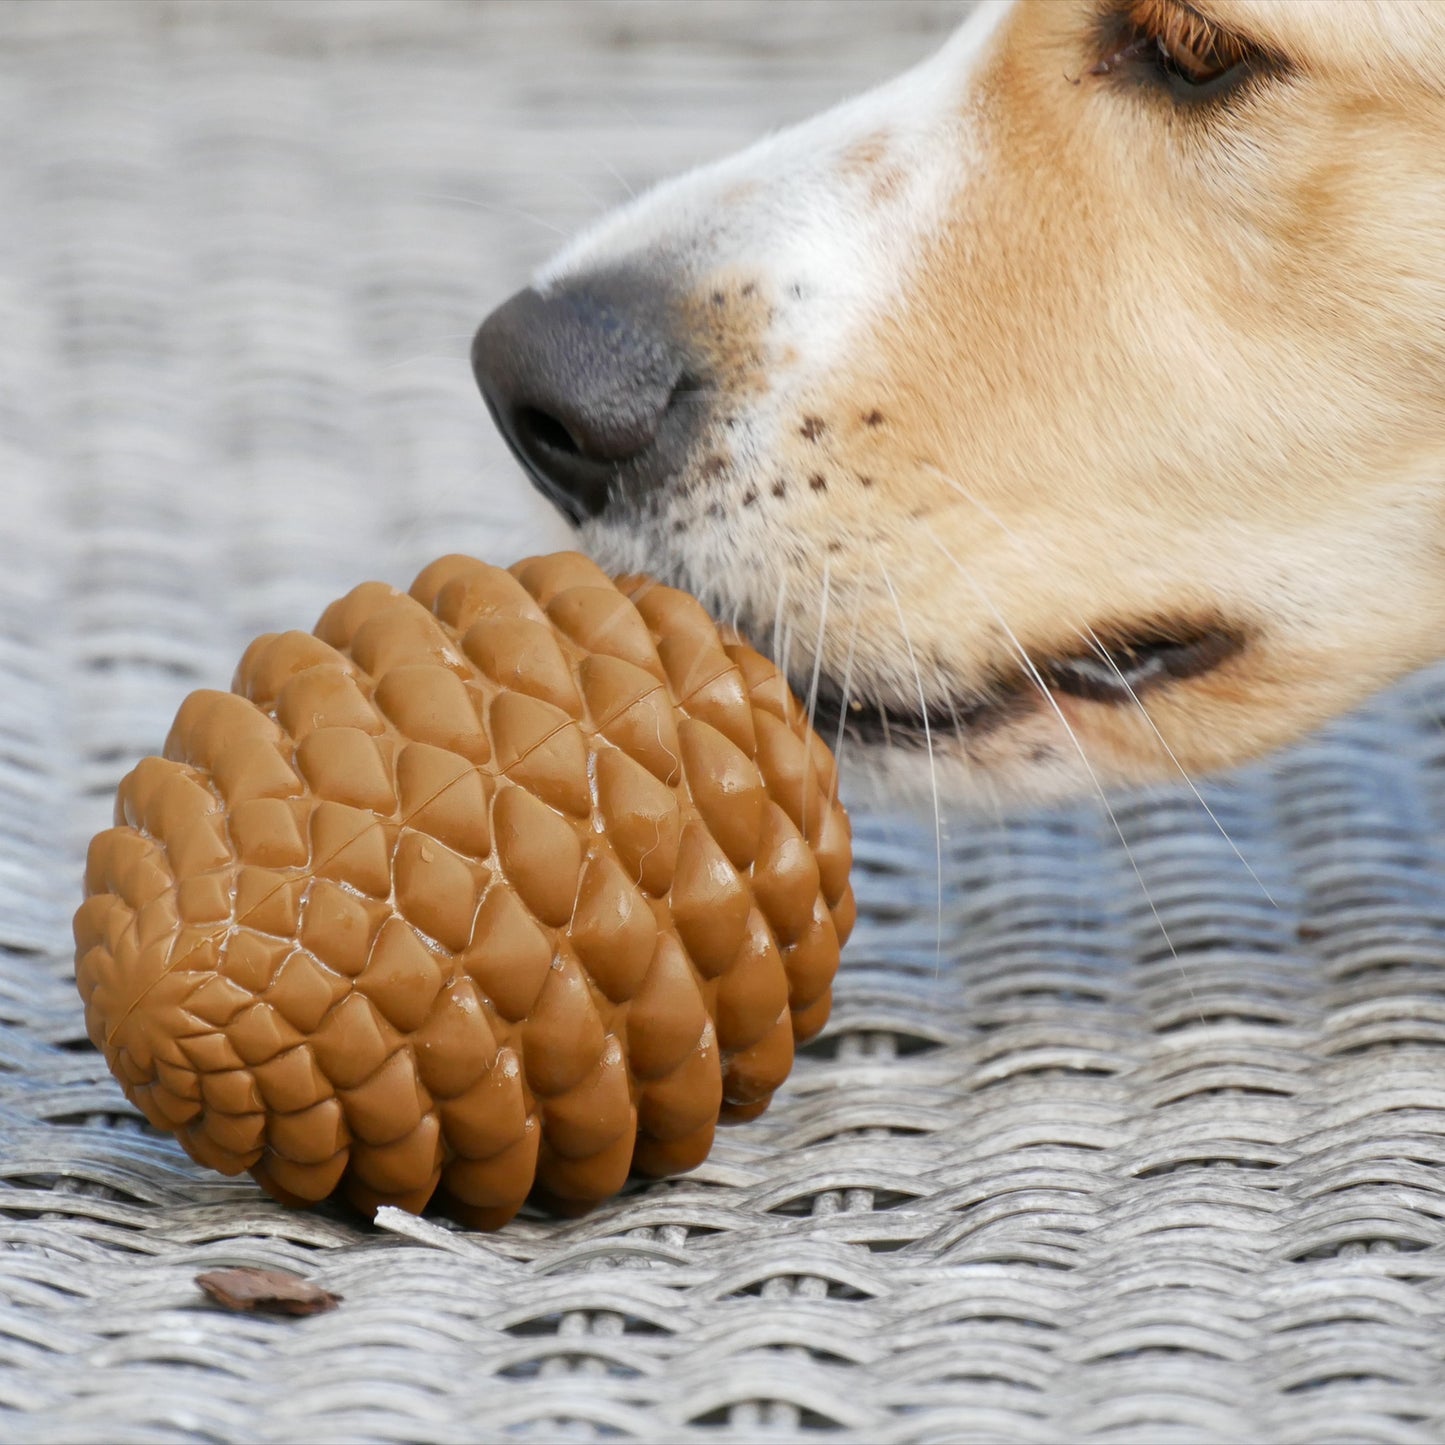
(1067, 413)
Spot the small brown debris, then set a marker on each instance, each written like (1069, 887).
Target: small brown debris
(818, 482)
(266, 1291)
(873, 418)
(813, 427)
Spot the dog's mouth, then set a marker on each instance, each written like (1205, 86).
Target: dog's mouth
(1117, 668)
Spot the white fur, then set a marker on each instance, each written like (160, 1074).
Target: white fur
(785, 211)
(1005, 352)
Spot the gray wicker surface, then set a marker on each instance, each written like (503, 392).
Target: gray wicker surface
(1052, 1182)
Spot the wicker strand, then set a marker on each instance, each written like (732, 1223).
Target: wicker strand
(1058, 1184)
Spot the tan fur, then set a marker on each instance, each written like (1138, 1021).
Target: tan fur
(1158, 392)
(1149, 365)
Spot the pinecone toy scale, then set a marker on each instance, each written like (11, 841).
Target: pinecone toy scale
(518, 882)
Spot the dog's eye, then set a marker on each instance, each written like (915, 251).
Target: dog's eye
(1170, 43)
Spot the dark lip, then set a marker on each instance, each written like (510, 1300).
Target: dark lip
(1125, 666)
(872, 722)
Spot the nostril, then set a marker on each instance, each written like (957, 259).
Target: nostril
(590, 385)
(544, 431)
(558, 463)
(685, 386)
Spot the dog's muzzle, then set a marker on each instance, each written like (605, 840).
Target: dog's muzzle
(592, 388)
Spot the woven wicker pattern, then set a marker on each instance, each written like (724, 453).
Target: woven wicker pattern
(1042, 1178)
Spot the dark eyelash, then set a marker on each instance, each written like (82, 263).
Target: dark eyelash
(1138, 40)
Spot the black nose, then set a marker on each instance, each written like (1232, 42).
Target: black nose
(589, 388)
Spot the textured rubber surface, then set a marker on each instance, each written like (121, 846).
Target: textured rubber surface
(1050, 1184)
(524, 876)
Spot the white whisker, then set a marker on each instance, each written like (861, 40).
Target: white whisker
(778, 626)
(932, 764)
(1022, 545)
(846, 688)
(983, 508)
(450, 358)
(812, 704)
(617, 176)
(818, 644)
(1053, 703)
(1093, 640)
(493, 206)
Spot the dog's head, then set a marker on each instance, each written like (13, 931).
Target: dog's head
(1074, 404)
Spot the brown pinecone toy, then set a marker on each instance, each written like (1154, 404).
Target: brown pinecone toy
(520, 881)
